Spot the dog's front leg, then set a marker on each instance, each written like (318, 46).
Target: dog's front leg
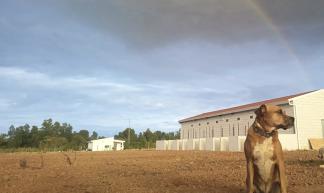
(281, 167)
(249, 177)
(282, 176)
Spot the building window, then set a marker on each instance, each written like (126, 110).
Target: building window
(191, 125)
(207, 123)
(238, 118)
(226, 120)
(216, 121)
(199, 124)
(251, 117)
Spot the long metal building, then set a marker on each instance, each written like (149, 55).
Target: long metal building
(225, 130)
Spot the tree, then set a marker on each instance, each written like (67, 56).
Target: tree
(124, 136)
(3, 140)
(85, 134)
(57, 136)
(78, 142)
(47, 128)
(158, 135)
(177, 135)
(66, 131)
(54, 143)
(54, 136)
(141, 140)
(25, 135)
(11, 131)
(18, 137)
(150, 138)
(94, 135)
(34, 137)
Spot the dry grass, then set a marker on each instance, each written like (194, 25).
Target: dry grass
(147, 172)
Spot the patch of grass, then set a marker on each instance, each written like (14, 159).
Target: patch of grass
(310, 162)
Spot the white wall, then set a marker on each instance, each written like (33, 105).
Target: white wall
(182, 144)
(231, 143)
(101, 144)
(202, 144)
(309, 111)
(236, 143)
(90, 146)
(189, 144)
(224, 144)
(174, 144)
(288, 141)
(196, 144)
(210, 144)
(217, 144)
(161, 145)
(106, 144)
(119, 145)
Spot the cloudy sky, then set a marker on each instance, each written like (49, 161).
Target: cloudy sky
(95, 64)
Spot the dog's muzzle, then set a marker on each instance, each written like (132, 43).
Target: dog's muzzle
(290, 121)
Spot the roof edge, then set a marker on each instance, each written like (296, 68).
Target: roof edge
(249, 106)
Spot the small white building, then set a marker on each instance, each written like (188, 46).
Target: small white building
(106, 144)
(225, 129)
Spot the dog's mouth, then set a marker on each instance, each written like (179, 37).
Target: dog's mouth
(285, 126)
(282, 126)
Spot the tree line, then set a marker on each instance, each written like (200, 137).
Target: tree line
(52, 136)
(145, 139)
(56, 136)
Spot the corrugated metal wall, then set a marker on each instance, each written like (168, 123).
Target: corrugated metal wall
(235, 124)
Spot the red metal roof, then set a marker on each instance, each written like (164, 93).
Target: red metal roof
(251, 106)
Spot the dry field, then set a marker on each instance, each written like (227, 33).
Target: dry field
(147, 171)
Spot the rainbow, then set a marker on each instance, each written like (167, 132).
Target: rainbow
(281, 37)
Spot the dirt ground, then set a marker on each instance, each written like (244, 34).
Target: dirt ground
(147, 172)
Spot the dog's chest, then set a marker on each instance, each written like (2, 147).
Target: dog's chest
(263, 158)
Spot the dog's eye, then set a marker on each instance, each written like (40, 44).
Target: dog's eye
(280, 112)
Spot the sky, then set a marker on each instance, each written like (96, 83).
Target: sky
(102, 65)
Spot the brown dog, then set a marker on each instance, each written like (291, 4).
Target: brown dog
(263, 152)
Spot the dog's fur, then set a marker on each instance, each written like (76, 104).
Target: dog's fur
(263, 152)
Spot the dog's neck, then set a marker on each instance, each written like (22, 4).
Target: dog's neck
(257, 128)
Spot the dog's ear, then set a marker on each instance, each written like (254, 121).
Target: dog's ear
(261, 110)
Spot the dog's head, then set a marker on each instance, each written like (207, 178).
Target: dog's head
(272, 117)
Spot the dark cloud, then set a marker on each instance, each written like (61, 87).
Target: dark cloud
(154, 23)
(71, 60)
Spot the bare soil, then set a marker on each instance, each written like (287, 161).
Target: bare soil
(147, 172)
